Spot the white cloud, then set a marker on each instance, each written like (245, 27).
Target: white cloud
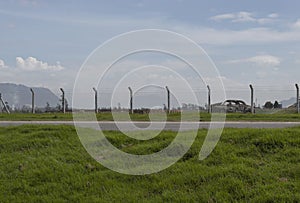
(247, 36)
(32, 64)
(296, 24)
(223, 17)
(2, 64)
(245, 17)
(273, 15)
(261, 60)
(265, 20)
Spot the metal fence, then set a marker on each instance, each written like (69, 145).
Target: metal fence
(261, 99)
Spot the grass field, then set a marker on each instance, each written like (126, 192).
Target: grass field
(144, 117)
(49, 164)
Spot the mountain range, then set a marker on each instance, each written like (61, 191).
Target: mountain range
(288, 102)
(18, 96)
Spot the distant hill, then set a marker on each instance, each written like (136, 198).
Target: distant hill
(288, 102)
(20, 95)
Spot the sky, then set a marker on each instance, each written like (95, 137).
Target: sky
(44, 43)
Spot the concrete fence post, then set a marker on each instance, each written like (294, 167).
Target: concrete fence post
(252, 98)
(63, 100)
(297, 98)
(209, 101)
(32, 101)
(168, 98)
(4, 105)
(96, 99)
(130, 100)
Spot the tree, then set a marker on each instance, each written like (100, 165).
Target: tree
(58, 107)
(25, 109)
(66, 105)
(269, 105)
(277, 105)
(7, 106)
(48, 107)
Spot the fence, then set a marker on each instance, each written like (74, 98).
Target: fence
(261, 99)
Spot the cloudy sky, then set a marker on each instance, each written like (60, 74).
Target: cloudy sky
(44, 43)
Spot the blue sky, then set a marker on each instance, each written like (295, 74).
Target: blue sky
(44, 43)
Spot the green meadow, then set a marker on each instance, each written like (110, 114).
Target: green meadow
(49, 164)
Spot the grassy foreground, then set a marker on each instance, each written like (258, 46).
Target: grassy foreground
(49, 164)
(144, 117)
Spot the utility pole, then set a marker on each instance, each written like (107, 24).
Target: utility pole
(96, 100)
(168, 96)
(130, 101)
(297, 97)
(32, 101)
(63, 100)
(209, 101)
(4, 105)
(252, 96)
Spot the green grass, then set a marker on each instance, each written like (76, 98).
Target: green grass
(33, 117)
(263, 117)
(49, 164)
(144, 117)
